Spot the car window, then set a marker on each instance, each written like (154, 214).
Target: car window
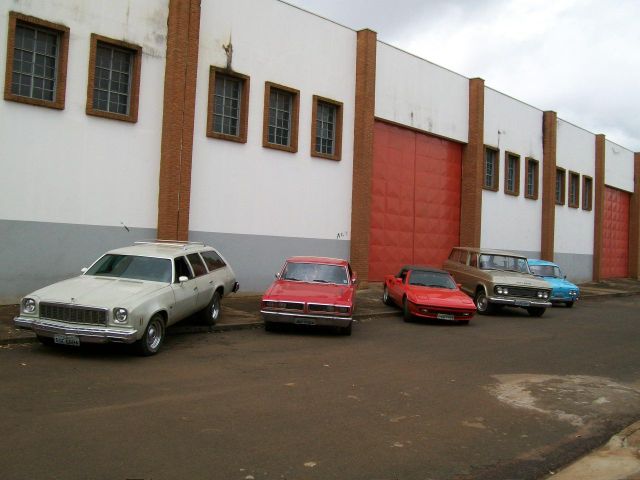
(182, 269)
(454, 255)
(213, 260)
(132, 267)
(546, 271)
(315, 272)
(197, 264)
(431, 279)
(474, 260)
(504, 262)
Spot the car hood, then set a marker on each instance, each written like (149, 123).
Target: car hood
(441, 297)
(561, 283)
(97, 291)
(517, 279)
(283, 290)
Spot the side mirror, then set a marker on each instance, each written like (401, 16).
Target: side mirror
(182, 278)
(459, 285)
(277, 275)
(83, 270)
(354, 279)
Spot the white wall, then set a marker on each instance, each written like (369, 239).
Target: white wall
(619, 167)
(575, 152)
(416, 93)
(248, 189)
(65, 166)
(510, 222)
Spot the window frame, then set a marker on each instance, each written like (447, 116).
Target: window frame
(496, 170)
(62, 31)
(244, 104)
(536, 164)
(337, 139)
(516, 181)
(295, 112)
(586, 179)
(576, 202)
(563, 194)
(134, 78)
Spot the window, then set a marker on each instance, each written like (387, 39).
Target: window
(36, 68)
(326, 130)
(560, 185)
(587, 193)
(227, 115)
(491, 166)
(574, 189)
(197, 264)
(213, 260)
(532, 179)
(182, 269)
(281, 107)
(512, 174)
(114, 79)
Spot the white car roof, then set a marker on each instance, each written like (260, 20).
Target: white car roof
(161, 249)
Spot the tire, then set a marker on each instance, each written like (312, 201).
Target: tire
(269, 326)
(346, 330)
(463, 322)
(153, 337)
(406, 314)
(482, 303)
(569, 304)
(536, 311)
(386, 299)
(47, 341)
(211, 313)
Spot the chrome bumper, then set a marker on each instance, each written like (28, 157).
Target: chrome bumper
(305, 319)
(520, 302)
(86, 333)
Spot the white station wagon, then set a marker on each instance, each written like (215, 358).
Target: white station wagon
(131, 294)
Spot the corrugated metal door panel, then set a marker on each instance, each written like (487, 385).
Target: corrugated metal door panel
(615, 234)
(415, 204)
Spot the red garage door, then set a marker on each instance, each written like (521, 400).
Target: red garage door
(415, 199)
(615, 234)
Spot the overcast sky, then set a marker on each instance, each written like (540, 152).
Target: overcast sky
(580, 58)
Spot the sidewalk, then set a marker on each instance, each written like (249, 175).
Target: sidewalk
(619, 459)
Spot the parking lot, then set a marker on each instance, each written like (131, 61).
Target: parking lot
(508, 396)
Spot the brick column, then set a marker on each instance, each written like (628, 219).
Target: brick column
(363, 152)
(598, 206)
(473, 169)
(634, 223)
(549, 154)
(177, 120)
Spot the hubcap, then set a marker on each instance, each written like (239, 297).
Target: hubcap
(154, 336)
(385, 294)
(482, 303)
(215, 309)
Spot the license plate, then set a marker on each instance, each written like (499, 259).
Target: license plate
(67, 340)
(445, 316)
(522, 303)
(304, 321)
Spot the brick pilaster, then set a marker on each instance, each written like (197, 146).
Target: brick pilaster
(634, 222)
(598, 206)
(549, 162)
(473, 169)
(363, 152)
(177, 120)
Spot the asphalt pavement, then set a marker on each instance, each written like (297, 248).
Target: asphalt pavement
(618, 459)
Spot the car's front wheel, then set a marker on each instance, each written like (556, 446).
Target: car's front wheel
(536, 311)
(569, 304)
(482, 303)
(153, 337)
(406, 313)
(211, 313)
(346, 330)
(48, 341)
(385, 296)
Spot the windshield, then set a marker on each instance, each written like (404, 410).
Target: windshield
(431, 279)
(504, 262)
(316, 272)
(133, 267)
(546, 271)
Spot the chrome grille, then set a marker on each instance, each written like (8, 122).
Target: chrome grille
(73, 313)
(523, 292)
(320, 308)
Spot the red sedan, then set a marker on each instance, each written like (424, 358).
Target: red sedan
(311, 291)
(427, 292)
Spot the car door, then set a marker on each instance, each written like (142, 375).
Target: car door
(397, 288)
(185, 293)
(204, 281)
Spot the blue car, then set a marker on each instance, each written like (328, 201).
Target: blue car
(563, 291)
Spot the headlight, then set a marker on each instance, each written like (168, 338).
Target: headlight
(28, 305)
(502, 290)
(343, 309)
(543, 294)
(269, 304)
(120, 315)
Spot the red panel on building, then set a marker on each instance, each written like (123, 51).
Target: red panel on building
(415, 199)
(615, 234)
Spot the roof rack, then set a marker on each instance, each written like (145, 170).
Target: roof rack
(170, 243)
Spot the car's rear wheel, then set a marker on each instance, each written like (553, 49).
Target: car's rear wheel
(385, 296)
(569, 304)
(153, 337)
(536, 311)
(211, 314)
(482, 303)
(406, 314)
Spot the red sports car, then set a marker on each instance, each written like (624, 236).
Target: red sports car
(427, 292)
(311, 291)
